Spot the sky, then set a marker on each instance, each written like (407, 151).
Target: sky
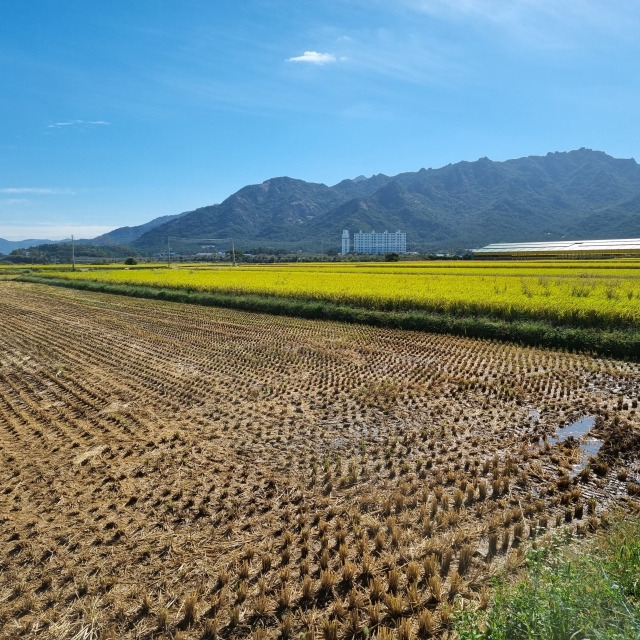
(114, 113)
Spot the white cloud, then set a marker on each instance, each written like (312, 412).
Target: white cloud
(313, 57)
(76, 123)
(38, 191)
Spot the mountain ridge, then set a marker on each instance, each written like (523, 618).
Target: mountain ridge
(459, 206)
(127, 235)
(583, 194)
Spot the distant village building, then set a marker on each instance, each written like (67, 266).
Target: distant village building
(375, 243)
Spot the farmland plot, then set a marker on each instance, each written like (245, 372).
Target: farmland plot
(173, 471)
(593, 294)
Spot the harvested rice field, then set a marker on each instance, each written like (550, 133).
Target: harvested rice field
(174, 471)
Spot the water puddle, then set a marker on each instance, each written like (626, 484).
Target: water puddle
(574, 430)
(589, 446)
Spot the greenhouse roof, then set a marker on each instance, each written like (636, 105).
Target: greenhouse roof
(625, 245)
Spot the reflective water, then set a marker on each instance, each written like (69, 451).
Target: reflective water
(589, 446)
(577, 429)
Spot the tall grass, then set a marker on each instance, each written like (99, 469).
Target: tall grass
(591, 595)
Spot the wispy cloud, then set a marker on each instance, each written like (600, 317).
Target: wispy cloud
(14, 201)
(489, 8)
(77, 123)
(405, 55)
(506, 12)
(52, 231)
(313, 57)
(38, 191)
(546, 23)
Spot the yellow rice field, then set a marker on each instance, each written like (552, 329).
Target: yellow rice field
(592, 293)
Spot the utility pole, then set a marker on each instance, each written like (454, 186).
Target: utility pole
(168, 253)
(233, 253)
(73, 253)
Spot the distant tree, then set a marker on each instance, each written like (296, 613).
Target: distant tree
(391, 257)
(25, 256)
(131, 261)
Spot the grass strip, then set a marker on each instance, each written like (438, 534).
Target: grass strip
(565, 595)
(620, 343)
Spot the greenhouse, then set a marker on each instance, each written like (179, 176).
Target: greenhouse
(562, 249)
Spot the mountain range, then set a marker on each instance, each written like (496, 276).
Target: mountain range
(580, 194)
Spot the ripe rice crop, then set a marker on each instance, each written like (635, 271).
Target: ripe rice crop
(181, 471)
(590, 294)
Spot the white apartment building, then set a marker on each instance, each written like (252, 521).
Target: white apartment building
(346, 242)
(376, 243)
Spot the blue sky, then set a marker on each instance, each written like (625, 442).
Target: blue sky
(114, 113)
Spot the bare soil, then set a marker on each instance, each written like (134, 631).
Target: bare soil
(171, 471)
